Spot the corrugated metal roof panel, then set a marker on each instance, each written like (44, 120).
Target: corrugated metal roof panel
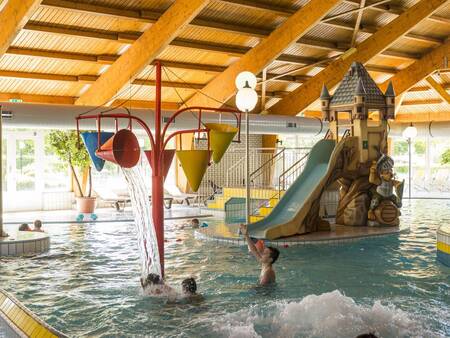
(220, 37)
(181, 54)
(54, 15)
(24, 63)
(65, 43)
(42, 87)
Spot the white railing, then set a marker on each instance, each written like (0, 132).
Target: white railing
(266, 165)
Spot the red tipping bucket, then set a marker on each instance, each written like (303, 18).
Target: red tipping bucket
(122, 149)
(166, 159)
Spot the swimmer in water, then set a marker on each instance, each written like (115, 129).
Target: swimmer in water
(189, 287)
(265, 255)
(153, 285)
(37, 226)
(194, 224)
(24, 227)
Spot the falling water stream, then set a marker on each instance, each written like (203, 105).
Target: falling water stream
(145, 231)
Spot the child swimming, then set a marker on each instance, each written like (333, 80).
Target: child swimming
(153, 285)
(189, 287)
(265, 255)
(194, 224)
(24, 227)
(37, 226)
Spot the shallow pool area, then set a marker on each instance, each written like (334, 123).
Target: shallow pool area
(88, 284)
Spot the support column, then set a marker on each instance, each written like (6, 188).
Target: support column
(247, 168)
(157, 174)
(1, 174)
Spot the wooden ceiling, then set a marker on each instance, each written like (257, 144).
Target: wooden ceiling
(62, 47)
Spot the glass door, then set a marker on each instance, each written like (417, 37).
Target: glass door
(22, 170)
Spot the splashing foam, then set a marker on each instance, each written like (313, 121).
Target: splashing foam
(146, 236)
(327, 315)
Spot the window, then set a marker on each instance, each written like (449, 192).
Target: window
(4, 165)
(25, 165)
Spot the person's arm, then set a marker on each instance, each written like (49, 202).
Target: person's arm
(250, 244)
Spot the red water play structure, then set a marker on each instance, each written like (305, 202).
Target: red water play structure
(123, 149)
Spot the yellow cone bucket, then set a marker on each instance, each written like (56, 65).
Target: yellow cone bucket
(220, 137)
(194, 164)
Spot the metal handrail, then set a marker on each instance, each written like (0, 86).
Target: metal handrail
(280, 156)
(268, 161)
(283, 175)
(231, 169)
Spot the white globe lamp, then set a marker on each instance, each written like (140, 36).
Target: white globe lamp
(245, 78)
(410, 132)
(246, 99)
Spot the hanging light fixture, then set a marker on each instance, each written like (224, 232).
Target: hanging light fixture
(245, 78)
(410, 132)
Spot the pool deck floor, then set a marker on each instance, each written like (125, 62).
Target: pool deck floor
(228, 234)
(103, 215)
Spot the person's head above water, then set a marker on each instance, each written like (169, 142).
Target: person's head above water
(153, 279)
(37, 224)
(189, 286)
(270, 255)
(195, 222)
(24, 227)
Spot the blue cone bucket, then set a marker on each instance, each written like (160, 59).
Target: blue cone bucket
(91, 143)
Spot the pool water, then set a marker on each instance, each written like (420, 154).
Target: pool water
(88, 285)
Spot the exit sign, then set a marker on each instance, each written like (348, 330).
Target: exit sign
(15, 100)
(365, 144)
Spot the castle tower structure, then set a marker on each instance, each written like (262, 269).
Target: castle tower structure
(325, 103)
(361, 108)
(390, 101)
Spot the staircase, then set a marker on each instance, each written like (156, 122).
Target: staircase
(285, 180)
(265, 191)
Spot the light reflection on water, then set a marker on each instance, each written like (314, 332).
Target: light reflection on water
(88, 285)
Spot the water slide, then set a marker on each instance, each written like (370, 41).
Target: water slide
(286, 218)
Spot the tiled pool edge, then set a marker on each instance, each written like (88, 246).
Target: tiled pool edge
(202, 235)
(443, 244)
(20, 321)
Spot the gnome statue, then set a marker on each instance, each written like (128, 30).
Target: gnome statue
(385, 204)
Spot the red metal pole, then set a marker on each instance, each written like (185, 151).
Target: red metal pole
(157, 173)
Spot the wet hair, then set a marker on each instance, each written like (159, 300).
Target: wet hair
(274, 253)
(189, 285)
(152, 279)
(24, 227)
(37, 224)
(367, 335)
(195, 220)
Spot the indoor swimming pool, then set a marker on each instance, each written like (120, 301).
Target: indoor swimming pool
(88, 284)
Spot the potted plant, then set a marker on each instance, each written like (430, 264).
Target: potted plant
(64, 143)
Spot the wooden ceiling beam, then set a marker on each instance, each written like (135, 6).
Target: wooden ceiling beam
(13, 16)
(186, 43)
(89, 79)
(287, 11)
(420, 69)
(222, 87)
(205, 22)
(423, 117)
(129, 38)
(397, 10)
(439, 89)
(302, 97)
(143, 51)
(34, 98)
(421, 102)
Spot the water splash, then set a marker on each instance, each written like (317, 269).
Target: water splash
(146, 236)
(330, 314)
